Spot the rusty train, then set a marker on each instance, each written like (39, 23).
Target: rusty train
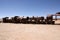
(31, 20)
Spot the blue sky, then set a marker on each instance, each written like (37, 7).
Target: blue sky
(28, 7)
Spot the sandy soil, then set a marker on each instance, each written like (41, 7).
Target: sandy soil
(29, 32)
(57, 21)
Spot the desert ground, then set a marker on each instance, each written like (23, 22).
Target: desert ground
(10, 31)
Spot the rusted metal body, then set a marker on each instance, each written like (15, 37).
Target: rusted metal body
(32, 20)
(57, 14)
